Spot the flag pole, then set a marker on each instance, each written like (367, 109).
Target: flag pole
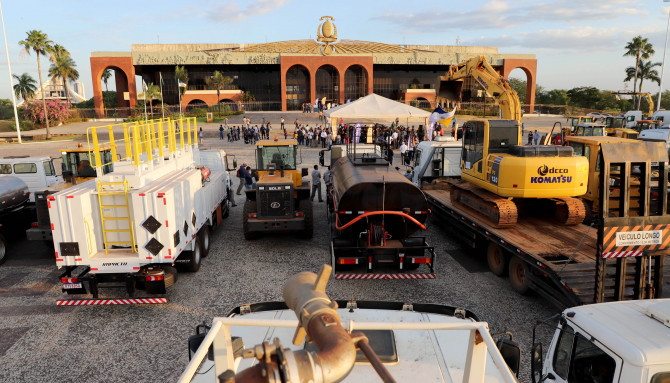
(162, 106)
(144, 89)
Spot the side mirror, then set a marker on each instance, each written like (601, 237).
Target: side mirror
(511, 353)
(305, 172)
(194, 342)
(536, 363)
(321, 155)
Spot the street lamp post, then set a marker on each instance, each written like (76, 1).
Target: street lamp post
(665, 47)
(11, 81)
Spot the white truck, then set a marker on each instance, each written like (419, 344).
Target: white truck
(332, 341)
(154, 211)
(435, 159)
(38, 173)
(627, 341)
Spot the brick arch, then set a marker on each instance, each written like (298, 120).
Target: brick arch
(529, 67)
(344, 82)
(340, 79)
(312, 63)
(124, 74)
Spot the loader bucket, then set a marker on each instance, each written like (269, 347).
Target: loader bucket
(450, 90)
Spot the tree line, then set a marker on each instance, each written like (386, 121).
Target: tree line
(590, 97)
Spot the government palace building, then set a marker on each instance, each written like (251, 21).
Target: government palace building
(287, 74)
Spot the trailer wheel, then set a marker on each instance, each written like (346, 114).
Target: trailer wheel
(194, 256)
(249, 207)
(518, 275)
(3, 249)
(306, 207)
(204, 236)
(496, 259)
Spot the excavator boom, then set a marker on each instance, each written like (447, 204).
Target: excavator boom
(646, 95)
(495, 85)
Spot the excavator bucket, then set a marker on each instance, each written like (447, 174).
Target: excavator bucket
(450, 90)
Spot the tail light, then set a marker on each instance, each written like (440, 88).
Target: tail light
(153, 278)
(34, 224)
(299, 214)
(348, 261)
(65, 280)
(420, 260)
(252, 215)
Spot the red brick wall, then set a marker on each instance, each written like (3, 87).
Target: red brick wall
(125, 81)
(529, 66)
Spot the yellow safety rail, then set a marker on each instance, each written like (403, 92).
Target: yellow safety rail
(102, 192)
(141, 139)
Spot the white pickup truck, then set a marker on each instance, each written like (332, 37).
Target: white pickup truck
(627, 341)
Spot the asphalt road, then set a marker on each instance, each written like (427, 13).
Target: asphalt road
(40, 341)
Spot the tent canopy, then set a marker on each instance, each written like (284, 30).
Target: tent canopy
(375, 108)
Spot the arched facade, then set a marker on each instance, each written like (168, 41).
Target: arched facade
(297, 87)
(312, 64)
(529, 67)
(355, 82)
(124, 73)
(210, 97)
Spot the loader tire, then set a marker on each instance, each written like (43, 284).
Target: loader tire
(249, 207)
(3, 249)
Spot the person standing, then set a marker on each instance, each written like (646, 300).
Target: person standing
(389, 155)
(536, 137)
(324, 135)
(200, 135)
(530, 137)
(316, 183)
(240, 176)
(403, 153)
(282, 124)
(248, 179)
(221, 133)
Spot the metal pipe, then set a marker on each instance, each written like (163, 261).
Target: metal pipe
(383, 212)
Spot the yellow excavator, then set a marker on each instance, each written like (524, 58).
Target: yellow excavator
(498, 174)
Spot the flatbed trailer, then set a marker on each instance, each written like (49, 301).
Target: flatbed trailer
(557, 262)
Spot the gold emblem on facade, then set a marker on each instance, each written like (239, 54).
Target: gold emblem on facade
(327, 33)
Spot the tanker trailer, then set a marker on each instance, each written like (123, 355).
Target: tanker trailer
(375, 212)
(15, 217)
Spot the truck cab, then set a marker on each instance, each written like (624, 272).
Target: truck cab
(626, 341)
(436, 159)
(38, 173)
(590, 129)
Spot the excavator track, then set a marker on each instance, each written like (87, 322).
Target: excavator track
(500, 212)
(569, 211)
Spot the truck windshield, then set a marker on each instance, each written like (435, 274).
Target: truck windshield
(282, 156)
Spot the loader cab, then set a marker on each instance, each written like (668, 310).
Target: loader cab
(281, 154)
(573, 121)
(590, 130)
(81, 163)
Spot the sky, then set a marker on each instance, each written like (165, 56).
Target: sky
(576, 42)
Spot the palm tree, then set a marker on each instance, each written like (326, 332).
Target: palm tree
(39, 43)
(646, 71)
(181, 74)
(106, 75)
(25, 86)
(218, 81)
(641, 49)
(63, 67)
(152, 92)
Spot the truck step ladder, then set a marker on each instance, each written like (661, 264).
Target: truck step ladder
(107, 191)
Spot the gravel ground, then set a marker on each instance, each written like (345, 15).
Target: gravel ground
(44, 343)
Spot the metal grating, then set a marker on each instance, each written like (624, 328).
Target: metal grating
(154, 246)
(151, 224)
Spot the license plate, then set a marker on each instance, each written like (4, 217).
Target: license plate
(68, 286)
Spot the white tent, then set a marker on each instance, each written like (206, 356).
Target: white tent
(375, 108)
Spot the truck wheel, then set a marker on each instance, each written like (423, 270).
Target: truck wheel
(204, 236)
(194, 256)
(306, 207)
(249, 207)
(496, 259)
(3, 249)
(518, 275)
(225, 207)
